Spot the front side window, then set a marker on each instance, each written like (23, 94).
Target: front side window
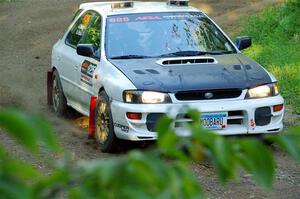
(92, 33)
(164, 34)
(78, 29)
(78, 12)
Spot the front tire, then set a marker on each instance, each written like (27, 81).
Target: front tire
(105, 134)
(59, 102)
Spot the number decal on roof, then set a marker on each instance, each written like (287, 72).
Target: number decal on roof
(119, 19)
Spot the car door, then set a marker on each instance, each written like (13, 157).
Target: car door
(71, 61)
(85, 74)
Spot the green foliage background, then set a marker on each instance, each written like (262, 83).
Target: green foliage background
(163, 171)
(276, 38)
(160, 172)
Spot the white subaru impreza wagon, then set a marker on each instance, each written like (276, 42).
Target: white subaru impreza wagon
(127, 64)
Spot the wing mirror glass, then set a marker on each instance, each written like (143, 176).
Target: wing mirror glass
(243, 42)
(87, 50)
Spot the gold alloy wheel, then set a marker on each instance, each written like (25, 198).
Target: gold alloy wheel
(102, 122)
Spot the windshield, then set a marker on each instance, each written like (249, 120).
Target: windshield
(163, 35)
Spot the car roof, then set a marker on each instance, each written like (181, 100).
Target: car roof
(105, 8)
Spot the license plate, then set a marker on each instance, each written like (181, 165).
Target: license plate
(214, 120)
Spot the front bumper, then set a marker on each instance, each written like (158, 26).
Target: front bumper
(138, 129)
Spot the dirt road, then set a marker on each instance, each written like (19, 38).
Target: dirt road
(28, 30)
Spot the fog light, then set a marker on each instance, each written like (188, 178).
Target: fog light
(277, 107)
(134, 116)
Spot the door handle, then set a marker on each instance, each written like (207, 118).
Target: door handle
(76, 67)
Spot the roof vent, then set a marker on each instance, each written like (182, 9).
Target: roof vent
(178, 3)
(120, 5)
(187, 61)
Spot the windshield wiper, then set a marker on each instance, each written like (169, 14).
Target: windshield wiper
(130, 57)
(219, 52)
(195, 53)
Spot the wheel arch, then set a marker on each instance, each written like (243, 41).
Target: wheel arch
(101, 89)
(92, 113)
(50, 74)
(50, 85)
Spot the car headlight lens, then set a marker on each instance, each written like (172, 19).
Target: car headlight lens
(267, 90)
(146, 97)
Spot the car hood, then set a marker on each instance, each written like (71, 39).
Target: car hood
(231, 71)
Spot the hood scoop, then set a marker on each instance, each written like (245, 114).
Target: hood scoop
(187, 61)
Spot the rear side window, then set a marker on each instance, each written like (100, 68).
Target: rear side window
(78, 29)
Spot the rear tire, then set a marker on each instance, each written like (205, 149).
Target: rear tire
(105, 134)
(59, 102)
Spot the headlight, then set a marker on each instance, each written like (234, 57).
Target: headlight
(145, 97)
(267, 90)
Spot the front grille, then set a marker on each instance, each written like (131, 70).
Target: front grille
(182, 119)
(208, 94)
(234, 118)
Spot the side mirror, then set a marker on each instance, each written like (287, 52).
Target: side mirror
(243, 42)
(87, 50)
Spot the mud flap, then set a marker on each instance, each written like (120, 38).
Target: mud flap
(49, 87)
(92, 117)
